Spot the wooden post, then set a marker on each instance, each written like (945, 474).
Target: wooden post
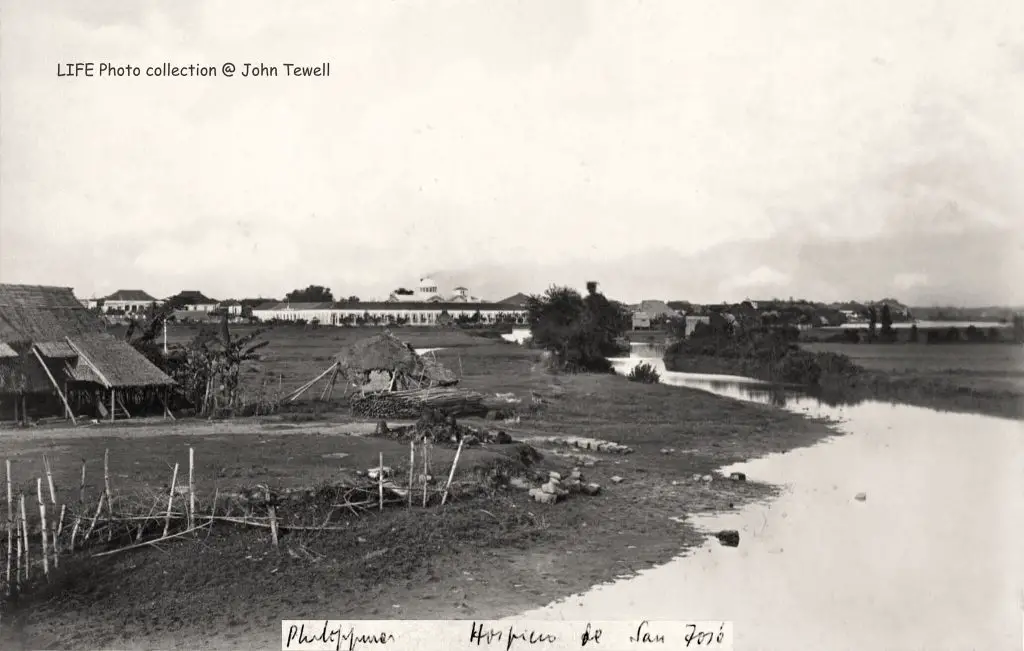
(191, 489)
(113, 395)
(24, 534)
(425, 455)
(56, 536)
(17, 534)
(170, 501)
(10, 525)
(412, 467)
(42, 517)
(49, 481)
(273, 523)
(106, 483)
(451, 474)
(380, 481)
(81, 488)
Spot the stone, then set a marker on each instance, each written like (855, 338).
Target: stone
(551, 488)
(573, 485)
(373, 472)
(602, 447)
(729, 537)
(665, 451)
(542, 497)
(576, 474)
(591, 489)
(519, 482)
(706, 478)
(616, 479)
(738, 476)
(589, 463)
(860, 497)
(470, 440)
(695, 478)
(554, 475)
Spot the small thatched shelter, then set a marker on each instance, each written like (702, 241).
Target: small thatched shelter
(383, 362)
(50, 345)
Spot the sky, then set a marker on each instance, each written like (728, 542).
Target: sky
(675, 150)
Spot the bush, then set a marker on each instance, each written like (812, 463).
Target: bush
(579, 332)
(645, 374)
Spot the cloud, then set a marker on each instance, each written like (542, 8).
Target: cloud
(513, 138)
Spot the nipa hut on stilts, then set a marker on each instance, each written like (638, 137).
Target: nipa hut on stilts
(381, 363)
(52, 348)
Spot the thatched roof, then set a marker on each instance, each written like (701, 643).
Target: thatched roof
(39, 314)
(115, 363)
(52, 322)
(382, 352)
(386, 352)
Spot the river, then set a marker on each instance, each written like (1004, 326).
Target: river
(932, 558)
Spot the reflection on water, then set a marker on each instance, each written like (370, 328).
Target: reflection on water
(931, 559)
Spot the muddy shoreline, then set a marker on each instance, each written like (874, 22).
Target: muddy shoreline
(486, 557)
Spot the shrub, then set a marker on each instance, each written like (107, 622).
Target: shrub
(644, 373)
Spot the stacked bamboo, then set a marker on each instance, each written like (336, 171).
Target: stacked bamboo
(411, 403)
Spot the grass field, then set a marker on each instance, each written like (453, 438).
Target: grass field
(484, 556)
(993, 368)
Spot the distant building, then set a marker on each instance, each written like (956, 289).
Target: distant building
(195, 301)
(387, 312)
(231, 307)
(427, 292)
(641, 321)
(518, 300)
(127, 301)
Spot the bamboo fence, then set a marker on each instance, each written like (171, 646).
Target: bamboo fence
(70, 525)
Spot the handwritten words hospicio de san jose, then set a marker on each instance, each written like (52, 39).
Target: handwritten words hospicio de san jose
(503, 635)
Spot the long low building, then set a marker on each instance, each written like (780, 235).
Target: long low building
(376, 313)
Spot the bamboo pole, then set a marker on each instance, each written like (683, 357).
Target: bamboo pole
(49, 481)
(273, 523)
(81, 486)
(95, 516)
(380, 481)
(113, 395)
(56, 387)
(150, 542)
(10, 525)
(425, 456)
(24, 534)
(18, 571)
(56, 537)
(451, 474)
(106, 481)
(191, 489)
(170, 501)
(412, 467)
(42, 517)
(74, 531)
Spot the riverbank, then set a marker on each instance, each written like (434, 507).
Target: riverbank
(932, 377)
(484, 557)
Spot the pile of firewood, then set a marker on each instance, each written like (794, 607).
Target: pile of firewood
(407, 405)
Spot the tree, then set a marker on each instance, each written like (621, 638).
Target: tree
(913, 333)
(312, 294)
(887, 331)
(402, 291)
(872, 322)
(580, 332)
(352, 299)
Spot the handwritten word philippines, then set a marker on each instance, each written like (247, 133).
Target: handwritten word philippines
(504, 635)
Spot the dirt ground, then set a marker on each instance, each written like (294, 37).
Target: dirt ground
(486, 557)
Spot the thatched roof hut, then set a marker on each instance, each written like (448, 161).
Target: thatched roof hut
(49, 340)
(384, 358)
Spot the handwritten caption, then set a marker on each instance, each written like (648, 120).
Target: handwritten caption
(503, 635)
(256, 70)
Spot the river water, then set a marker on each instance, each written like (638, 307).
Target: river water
(932, 558)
